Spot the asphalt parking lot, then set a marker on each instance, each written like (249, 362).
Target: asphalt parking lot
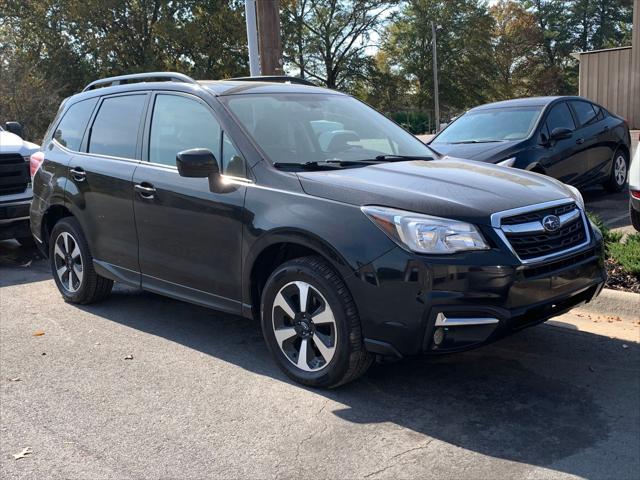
(200, 398)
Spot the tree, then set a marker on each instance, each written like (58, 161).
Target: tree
(52, 48)
(515, 37)
(464, 50)
(328, 40)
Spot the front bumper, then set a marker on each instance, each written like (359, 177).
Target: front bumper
(14, 215)
(403, 298)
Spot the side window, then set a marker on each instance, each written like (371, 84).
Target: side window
(71, 129)
(115, 130)
(585, 112)
(560, 117)
(232, 162)
(600, 113)
(180, 123)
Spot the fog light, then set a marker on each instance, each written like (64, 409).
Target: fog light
(438, 336)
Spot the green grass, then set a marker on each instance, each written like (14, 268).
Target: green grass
(627, 253)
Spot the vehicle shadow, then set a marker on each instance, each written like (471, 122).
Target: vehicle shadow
(612, 208)
(509, 400)
(25, 263)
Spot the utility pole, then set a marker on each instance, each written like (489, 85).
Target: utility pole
(252, 37)
(435, 75)
(269, 36)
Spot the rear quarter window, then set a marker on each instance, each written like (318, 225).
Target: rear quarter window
(71, 128)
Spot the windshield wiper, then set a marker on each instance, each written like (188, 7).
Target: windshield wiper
(475, 141)
(326, 164)
(401, 158)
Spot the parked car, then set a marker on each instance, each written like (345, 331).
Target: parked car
(302, 207)
(15, 183)
(634, 190)
(569, 138)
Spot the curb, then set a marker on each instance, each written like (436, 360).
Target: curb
(614, 302)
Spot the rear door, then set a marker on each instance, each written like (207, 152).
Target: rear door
(597, 138)
(190, 238)
(100, 184)
(565, 159)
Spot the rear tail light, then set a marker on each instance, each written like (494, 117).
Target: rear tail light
(635, 194)
(35, 160)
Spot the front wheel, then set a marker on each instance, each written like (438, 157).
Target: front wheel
(619, 172)
(72, 265)
(311, 325)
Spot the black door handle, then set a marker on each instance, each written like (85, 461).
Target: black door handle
(580, 141)
(146, 190)
(78, 174)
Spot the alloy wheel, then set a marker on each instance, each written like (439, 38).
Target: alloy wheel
(620, 170)
(68, 262)
(304, 326)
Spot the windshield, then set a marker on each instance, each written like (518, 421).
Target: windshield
(303, 128)
(491, 125)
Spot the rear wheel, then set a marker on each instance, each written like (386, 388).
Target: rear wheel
(72, 265)
(619, 172)
(311, 325)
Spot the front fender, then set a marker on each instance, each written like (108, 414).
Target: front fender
(339, 232)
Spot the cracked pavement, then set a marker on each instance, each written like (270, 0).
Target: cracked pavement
(201, 398)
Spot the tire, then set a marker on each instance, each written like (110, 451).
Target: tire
(78, 283)
(619, 172)
(331, 323)
(635, 217)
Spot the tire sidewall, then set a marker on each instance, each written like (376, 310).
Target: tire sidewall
(614, 183)
(339, 364)
(70, 226)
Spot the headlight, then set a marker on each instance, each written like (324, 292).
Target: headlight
(425, 234)
(507, 163)
(577, 196)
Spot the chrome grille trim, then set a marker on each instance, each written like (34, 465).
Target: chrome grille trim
(496, 223)
(537, 227)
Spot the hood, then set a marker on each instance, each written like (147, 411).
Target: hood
(452, 188)
(483, 152)
(10, 143)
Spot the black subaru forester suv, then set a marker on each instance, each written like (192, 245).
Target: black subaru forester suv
(306, 209)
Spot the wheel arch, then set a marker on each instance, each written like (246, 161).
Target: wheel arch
(52, 215)
(273, 250)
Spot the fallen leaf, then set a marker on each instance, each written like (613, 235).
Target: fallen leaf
(129, 357)
(44, 353)
(38, 333)
(591, 369)
(23, 454)
(624, 345)
(17, 379)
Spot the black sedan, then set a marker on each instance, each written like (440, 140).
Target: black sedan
(568, 138)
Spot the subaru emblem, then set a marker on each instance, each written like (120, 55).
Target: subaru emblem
(551, 223)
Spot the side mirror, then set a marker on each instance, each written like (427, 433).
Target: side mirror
(197, 163)
(15, 128)
(561, 133)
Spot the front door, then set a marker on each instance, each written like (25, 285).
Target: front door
(566, 159)
(190, 239)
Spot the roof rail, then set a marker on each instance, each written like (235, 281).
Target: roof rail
(139, 77)
(274, 78)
